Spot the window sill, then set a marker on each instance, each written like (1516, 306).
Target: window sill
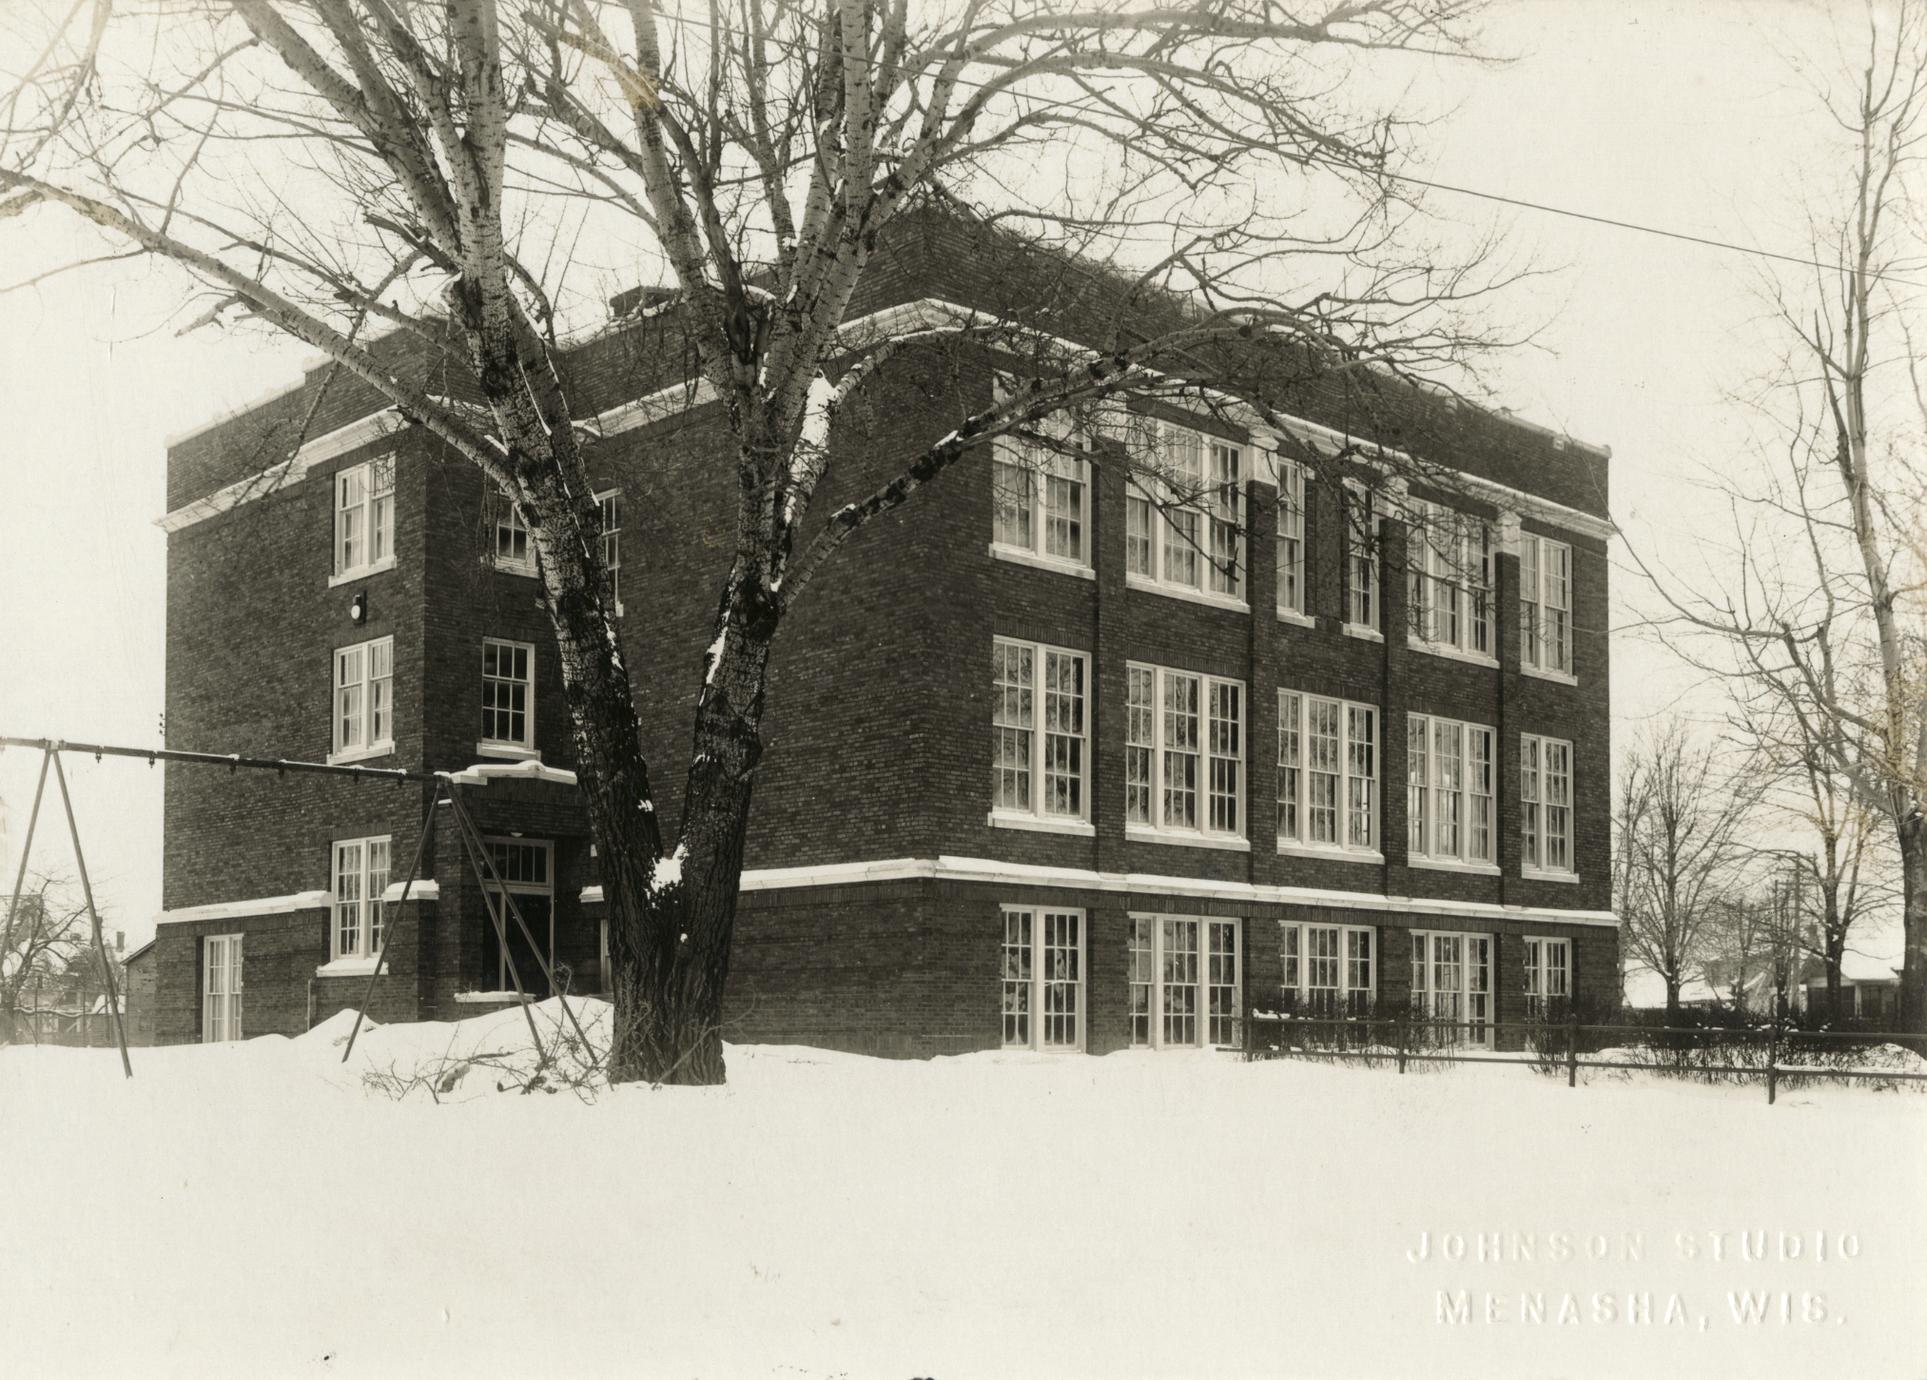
(1363, 633)
(1535, 874)
(1297, 619)
(361, 572)
(1016, 555)
(1229, 602)
(367, 754)
(1450, 653)
(1556, 677)
(514, 751)
(1477, 869)
(1138, 833)
(349, 967)
(1331, 853)
(525, 570)
(1081, 827)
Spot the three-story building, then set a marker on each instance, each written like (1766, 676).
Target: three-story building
(1088, 746)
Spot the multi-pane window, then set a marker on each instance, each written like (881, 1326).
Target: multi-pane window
(1329, 970)
(360, 878)
(509, 547)
(1291, 535)
(525, 869)
(1545, 604)
(220, 987)
(610, 504)
(1327, 772)
(1548, 976)
(1184, 511)
(1452, 987)
(1041, 499)
(1545, 803)
(1183, 752)
(364, 699)
(1043, 978)
(1449, 797)
(1361, 556)
(1040, 720)
(508, 694)
(1449, 578)
(1186, 981)
(365, 517)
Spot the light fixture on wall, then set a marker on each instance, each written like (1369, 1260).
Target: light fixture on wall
(358, 608)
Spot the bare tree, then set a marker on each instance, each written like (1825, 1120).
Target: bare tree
(49, 933)
(328, 167)
(1678, 832)
(1821, 615)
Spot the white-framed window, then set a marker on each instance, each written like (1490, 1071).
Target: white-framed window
(1545, 804)
(365, 518)
(1548, 975)
(527, 871)
(220, 987)
(610, 504)
(1040, 724)
(360, 878)
(1184, 512)
(1452, 987)
(1186, 981)
(508, 536)
(1183, 752)
(1361, 556)
(1449, 802)
(1448, 562)
(1329, 970)
(508, 694)
(1041, 496)
(1291, 535)
(364, 699)
(1043, 978)
(1327, 773)
(1545, 604)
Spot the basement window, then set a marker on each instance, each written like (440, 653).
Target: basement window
(1043, 978)
(1186, 982)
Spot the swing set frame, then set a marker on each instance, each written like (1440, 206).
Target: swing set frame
(445, 794)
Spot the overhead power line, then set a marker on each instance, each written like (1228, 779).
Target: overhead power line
(1613, 222)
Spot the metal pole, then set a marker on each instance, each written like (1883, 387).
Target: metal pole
(388, 931)
(463, 818)
(1773, 1064)
(214, 759)
(26, 848)
(87, 890)
(1572, 1045)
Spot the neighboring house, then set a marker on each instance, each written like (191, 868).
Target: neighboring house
(1869, 989)
(1646, 991)
(137, 998)
(1039, 774)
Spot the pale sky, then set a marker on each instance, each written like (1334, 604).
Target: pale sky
(1683, 114)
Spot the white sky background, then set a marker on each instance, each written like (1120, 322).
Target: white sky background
(1684, 114)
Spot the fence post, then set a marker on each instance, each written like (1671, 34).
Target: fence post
(1773, 1062)
(1399, 1029)
(1572, 1046)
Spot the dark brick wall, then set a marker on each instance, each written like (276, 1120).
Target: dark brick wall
(912, 967)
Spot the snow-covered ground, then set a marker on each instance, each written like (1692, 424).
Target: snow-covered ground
(258, 1210)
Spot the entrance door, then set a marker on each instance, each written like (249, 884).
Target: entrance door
(526, 869)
